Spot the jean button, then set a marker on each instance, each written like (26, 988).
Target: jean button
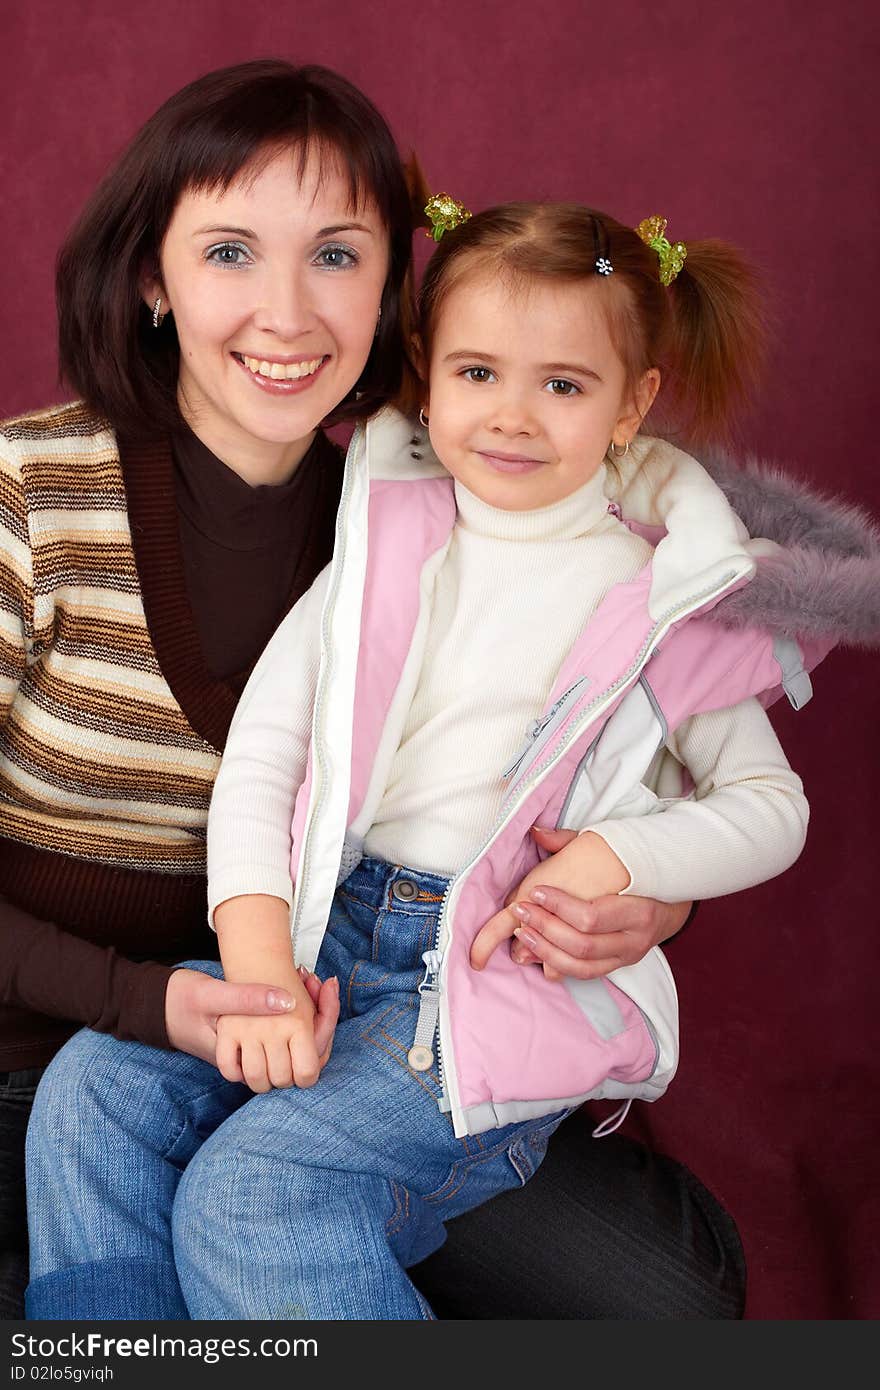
(404, 890)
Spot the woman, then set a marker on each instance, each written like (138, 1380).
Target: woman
(241, 277)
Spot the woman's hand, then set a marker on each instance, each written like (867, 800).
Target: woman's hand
(194, 1002)
(582, 936)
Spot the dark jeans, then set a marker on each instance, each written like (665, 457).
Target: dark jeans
(605, 1229)
(17, 1090)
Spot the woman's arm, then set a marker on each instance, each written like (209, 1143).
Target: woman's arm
(52, 971)
(746, 824)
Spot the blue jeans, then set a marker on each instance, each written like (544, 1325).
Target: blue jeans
(159, 1190)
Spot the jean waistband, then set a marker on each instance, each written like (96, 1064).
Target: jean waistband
(396, 887)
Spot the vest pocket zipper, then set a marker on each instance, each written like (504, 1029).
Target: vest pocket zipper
(542, 730)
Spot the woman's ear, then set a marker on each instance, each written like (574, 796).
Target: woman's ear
(152, 288)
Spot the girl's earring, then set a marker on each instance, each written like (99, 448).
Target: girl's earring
(617, 451)
(423, 420)
(158, 316)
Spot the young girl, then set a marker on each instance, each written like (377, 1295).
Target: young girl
(471, 592)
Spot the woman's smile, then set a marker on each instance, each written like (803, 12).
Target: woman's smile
(282, 375)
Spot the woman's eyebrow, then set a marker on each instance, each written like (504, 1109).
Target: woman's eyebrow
(345, 227)
(252, 235)
(228, 231)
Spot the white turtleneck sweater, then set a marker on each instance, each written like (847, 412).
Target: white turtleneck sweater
(511, 597)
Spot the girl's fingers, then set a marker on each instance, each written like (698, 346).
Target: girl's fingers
(498, 928)
(227, 1059)
(279, 1070)
(304, 1057)
(254, 1066)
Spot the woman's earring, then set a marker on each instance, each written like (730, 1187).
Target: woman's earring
(378, 323)
(423, 420)
(158, 316)
(622, 451)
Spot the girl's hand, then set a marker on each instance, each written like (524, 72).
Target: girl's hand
(194, 1002)
(267, 1053)
(561, 920)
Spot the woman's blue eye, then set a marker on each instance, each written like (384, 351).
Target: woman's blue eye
(337, 257)
(228, 253)
(559, 386)
(477, 374)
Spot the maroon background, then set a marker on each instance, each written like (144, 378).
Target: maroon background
(755, 122)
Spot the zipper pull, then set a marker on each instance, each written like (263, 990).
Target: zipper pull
(531, 734)
(421, 1055)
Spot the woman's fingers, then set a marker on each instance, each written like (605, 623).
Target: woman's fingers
(580, 957)
(326, 1017)
(586, 939)
(325, 997)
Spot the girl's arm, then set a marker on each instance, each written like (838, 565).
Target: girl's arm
(254, 936)
(264, 763)
(746, 824)
(249, 883)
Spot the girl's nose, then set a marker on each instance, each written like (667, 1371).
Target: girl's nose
(511, 416)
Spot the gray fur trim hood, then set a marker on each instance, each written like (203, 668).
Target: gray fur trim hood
(825, 582)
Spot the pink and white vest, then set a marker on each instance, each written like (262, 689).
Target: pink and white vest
(514, 1045)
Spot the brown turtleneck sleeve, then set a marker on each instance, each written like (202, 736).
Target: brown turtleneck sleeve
(220, 563)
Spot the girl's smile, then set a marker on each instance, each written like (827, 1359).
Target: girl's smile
(526, 389)
(510, 463)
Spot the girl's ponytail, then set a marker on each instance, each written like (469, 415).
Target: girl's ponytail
(716, 339)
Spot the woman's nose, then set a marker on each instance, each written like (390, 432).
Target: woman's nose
(285, 308)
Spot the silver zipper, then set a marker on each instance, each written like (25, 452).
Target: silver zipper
(421, 1055)
(543, 729)
(670, 616)
(520, 793)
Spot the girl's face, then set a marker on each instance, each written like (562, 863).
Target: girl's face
(275, 286)
(526, 390)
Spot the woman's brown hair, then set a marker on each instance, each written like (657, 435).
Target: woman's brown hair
(202, 138)
(705, 331)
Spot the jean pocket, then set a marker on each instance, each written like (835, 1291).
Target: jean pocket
(393, 1031)
(20, 1087)
(527, 1151)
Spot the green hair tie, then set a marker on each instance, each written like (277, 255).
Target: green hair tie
(671, 257)
(444, 213)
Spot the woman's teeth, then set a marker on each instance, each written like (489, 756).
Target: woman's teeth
(282, 371)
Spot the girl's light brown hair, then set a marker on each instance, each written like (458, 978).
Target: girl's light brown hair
(705, 332)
